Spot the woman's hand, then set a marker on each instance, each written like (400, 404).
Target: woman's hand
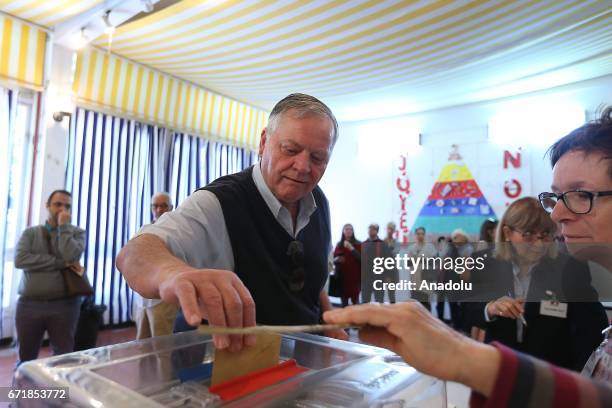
(506, 307)
(348, 245)
(424, 342)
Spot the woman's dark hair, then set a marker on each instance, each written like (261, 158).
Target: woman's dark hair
(352, 240)
(487, 226)
(593, 137)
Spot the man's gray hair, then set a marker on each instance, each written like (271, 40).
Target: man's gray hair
(166, 196)
(302, 105)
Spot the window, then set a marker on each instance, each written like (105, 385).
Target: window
(17, 109)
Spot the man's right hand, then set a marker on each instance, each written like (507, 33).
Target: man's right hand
(63, 217)
(216, 295)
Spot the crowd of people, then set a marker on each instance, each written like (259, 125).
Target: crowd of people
(252, 248)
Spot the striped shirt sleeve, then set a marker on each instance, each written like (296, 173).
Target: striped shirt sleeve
(524, 381)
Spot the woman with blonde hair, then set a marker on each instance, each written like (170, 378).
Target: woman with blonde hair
(525, 270)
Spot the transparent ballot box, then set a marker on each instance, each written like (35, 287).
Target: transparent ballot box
(175, 371)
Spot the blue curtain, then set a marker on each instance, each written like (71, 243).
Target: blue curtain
(195, 162)
(114, 166)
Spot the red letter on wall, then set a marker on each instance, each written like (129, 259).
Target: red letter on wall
(515, 161)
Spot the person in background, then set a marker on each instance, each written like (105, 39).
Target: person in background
(390, 240)
(581, 203)
(43, 252)
(374, 247)
(161, 203)
(442, 246)
(347, 258)
(154, 317)
(459, 247)
(524, 266)
(421, 248)
(487, 234)
(486, 243)
(250, 247)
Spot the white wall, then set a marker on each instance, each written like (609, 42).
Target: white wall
(361, 192)
(53, 145)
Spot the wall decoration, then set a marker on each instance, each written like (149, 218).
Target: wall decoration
(455, 201)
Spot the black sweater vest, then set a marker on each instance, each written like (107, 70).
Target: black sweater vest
(260, 244)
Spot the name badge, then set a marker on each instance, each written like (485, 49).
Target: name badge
(554, 309)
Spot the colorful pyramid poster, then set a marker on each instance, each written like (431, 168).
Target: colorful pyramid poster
(455, 201)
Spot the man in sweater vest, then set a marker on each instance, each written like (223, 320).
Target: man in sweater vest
(249, 248)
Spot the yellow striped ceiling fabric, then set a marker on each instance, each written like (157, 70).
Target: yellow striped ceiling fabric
(47, 13)
(258, 51)
(22, 53)
(106, 81)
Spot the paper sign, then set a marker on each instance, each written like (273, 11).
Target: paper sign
(554, 309)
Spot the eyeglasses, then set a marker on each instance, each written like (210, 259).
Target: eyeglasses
(296, 278)
(532, 236)
(162, 206)
(577, 201)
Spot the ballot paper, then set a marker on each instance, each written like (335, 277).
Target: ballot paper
(265, 353)
(308, 328)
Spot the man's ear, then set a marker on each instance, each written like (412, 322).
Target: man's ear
(262, 141)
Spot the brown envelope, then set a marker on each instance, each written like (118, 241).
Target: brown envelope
(265, 353)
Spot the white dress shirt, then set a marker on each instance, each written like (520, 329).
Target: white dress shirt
(196, 232)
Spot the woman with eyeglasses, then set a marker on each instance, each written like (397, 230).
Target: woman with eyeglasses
(347, 258)
(525, 269)
(498, 375)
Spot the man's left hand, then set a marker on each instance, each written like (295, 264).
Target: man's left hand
(338, 334)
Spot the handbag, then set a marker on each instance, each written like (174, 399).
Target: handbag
(76, 285)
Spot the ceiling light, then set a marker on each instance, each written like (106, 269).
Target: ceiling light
(108, 27)
(79, 39)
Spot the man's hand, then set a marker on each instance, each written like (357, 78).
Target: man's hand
(506, 307)
(216, 295)
(63, 217)
(423, 341)
(76, 267)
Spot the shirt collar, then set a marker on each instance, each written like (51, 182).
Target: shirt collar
(307, 204)
(516, 270)
(49, 227)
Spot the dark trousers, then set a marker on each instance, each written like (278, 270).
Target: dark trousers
(366, 293)
(57, 317)
(454, 308)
